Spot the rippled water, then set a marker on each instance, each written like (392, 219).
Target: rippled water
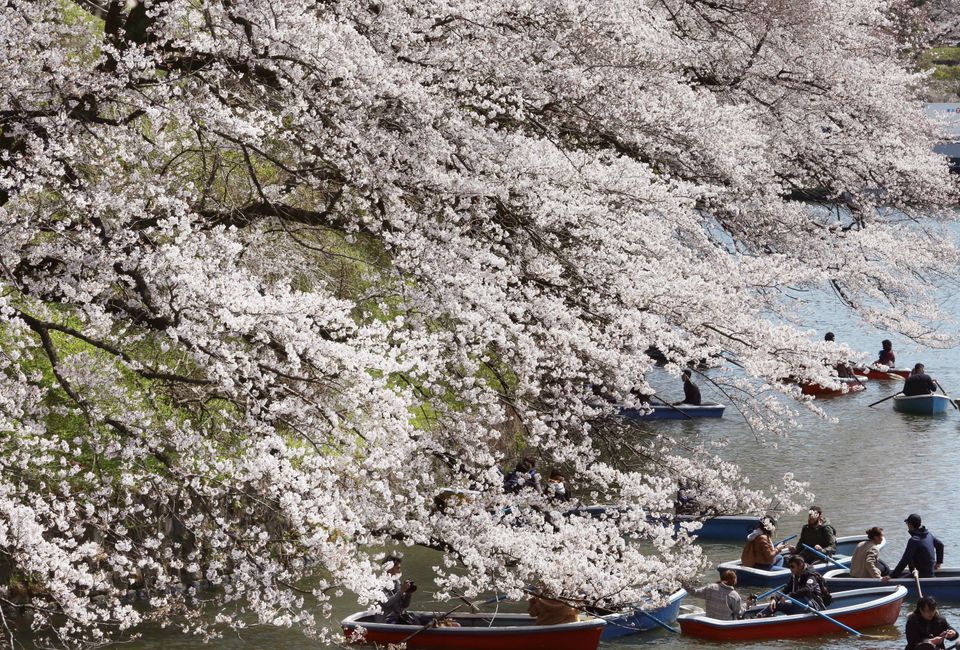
(870, 467)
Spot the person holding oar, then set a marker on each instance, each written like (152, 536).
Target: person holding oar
(691, 392)
(759, 552)
(919, 382)
(926, 628)
(924, 552)
(805, 590)
(818, 533)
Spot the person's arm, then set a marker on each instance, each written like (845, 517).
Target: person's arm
(698, 592)
(830, 540)
(871, 562)
(735, 604)
(938, 546)
(766, 551)
(904, 559)
(915, 631)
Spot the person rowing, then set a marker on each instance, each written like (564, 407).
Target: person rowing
(759, 552)
(919, 382)
(721, 600)
(817, 533)
(886, 357)
(691, 393)
(926, 628)
(805, 586)
(924, 552)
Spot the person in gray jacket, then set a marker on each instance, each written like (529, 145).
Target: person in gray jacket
(721, 598)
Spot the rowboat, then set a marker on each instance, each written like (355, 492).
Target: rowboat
(848, 385)
(921, 404)
(719, 528)
(872, 372)
(678, 412)
(754, 577)
(476, 632)
(859, 608)
(639, 619)
(945, 586)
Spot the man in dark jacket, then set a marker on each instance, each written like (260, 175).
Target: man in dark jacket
(919, 382)
(803, 586)
(818, 534)
(924, 552)
(393, 609)
(691, 394)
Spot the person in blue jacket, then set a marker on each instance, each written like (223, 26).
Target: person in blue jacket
(924, 552)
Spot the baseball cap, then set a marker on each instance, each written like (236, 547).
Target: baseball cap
(913, 520)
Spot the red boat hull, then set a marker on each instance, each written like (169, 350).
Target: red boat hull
(793, 627)
(873, 373)
(817, 389)
(572, 636)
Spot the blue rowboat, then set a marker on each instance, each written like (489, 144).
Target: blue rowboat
(636, 619)
(945, 586)
(921, 404)
(720, 528)
(663, 412)
(753, 577)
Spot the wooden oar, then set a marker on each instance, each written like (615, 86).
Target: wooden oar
(824, 556)
(952, 403)
(885, 399)
(821, 614)
(494, 599)
(916, 579)
(431, 623)
(686, 415)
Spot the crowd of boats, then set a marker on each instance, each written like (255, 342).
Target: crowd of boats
(855, 603)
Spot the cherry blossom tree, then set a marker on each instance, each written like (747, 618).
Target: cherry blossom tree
(272, 274)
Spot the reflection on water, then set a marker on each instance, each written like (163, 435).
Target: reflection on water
(871, 467)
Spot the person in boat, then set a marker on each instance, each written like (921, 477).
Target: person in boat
(919, 382)
(759, 552)
(550, 611)
(843, 369)
(818, 533)
(556, 489)
(524, 475)
(721, 600)
(886, 356)
(866, 562)
(924, 552)
(687, 502)
(691, 393)
(926, 628)
(393, 609)
(805, 585)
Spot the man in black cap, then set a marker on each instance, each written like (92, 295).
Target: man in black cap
(924, 552)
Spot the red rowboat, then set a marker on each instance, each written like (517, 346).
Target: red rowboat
(478, 632)
(857, 608)
(876, 373)
(850, 385)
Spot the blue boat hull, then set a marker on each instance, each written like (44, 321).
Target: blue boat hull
(921, 404)
(679, 412)
(944, 587)
(637, 620)
(725, 528)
